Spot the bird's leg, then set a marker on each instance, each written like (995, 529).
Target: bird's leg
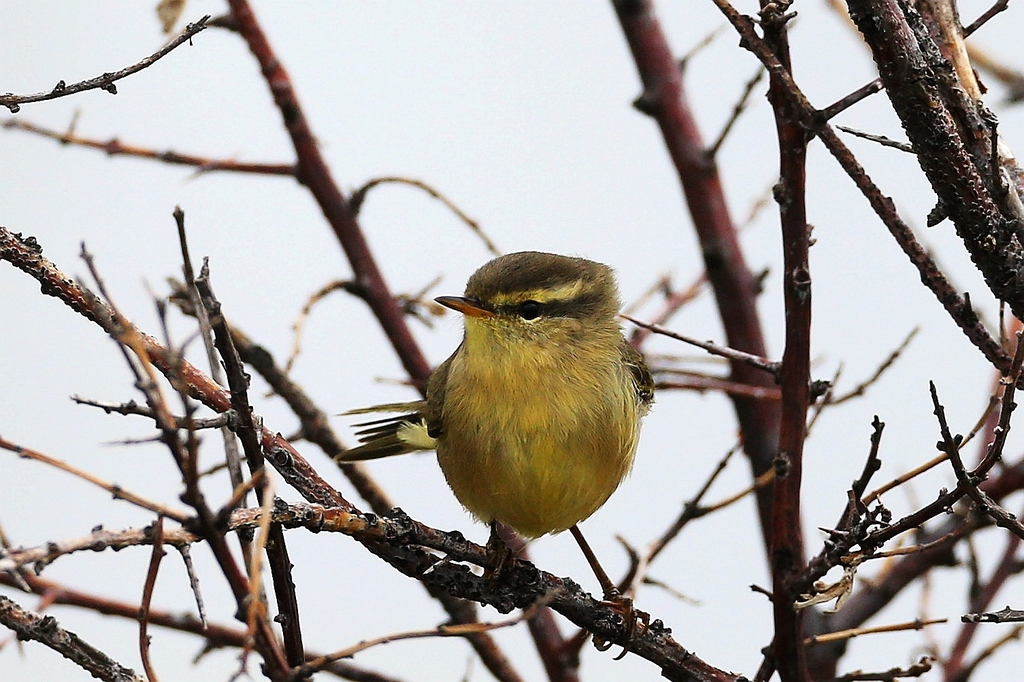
(500, 556)
(635, 621)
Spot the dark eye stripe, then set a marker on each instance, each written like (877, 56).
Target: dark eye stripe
(579, 307)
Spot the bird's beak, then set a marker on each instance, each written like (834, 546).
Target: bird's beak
(466, 306)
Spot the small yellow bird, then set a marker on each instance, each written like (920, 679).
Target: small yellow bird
(536, 416)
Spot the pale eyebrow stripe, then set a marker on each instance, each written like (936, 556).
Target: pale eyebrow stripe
(564, 292)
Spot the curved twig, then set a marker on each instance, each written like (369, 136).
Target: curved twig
(105, 81)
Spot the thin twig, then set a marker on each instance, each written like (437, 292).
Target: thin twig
(857, 632)
(674, 300)
(880, 139)
(995, 9)
(257, 610)
(903, 478)
(704, 42)
(114, 147)
(691, 509)
(133, 408)
(918, 669)
(701, 382)
(359, 196)
(114, 489)
(841, 105)
(860, 388)
(105, 81)
(755, 361)
(988, 652)
(300, 321)
(762, 481)
(193, 580)
(737, 110)
(855, 506)
(147, 596)
(456, 630)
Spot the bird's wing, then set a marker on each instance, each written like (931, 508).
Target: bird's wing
(436, 386)
(642, 378)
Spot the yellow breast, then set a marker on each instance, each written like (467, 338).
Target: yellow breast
(537, 438)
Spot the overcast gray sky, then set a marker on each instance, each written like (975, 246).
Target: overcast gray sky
(520, 113)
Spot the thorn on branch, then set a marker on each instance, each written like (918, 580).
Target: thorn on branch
(647, 103)
(936, 215)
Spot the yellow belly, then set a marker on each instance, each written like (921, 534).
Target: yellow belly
(540, 453)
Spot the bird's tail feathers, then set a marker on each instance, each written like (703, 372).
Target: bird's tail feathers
(390, 436)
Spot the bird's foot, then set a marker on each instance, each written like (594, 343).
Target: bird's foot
(500, 557)
(634, 620)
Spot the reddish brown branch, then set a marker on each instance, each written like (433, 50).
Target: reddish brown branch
(216, 636)
(953, 137)
(523, 585)
(735, 287)
(46, 630)
(147, 596)
(114, 147)
(314, 173)
(787, 541)
(958, 308)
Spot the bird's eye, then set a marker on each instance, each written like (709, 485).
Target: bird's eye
(529, 310)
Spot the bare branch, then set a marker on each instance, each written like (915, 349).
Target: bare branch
(757, 362)
(857, 632)
(956, 306)
(880, 139)
(46, 630)
(157, 530)
(114, 147)
(314, 174)
(737, 110)
(117, 491)
(359, 196)
(105, 81)
(457, 630)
